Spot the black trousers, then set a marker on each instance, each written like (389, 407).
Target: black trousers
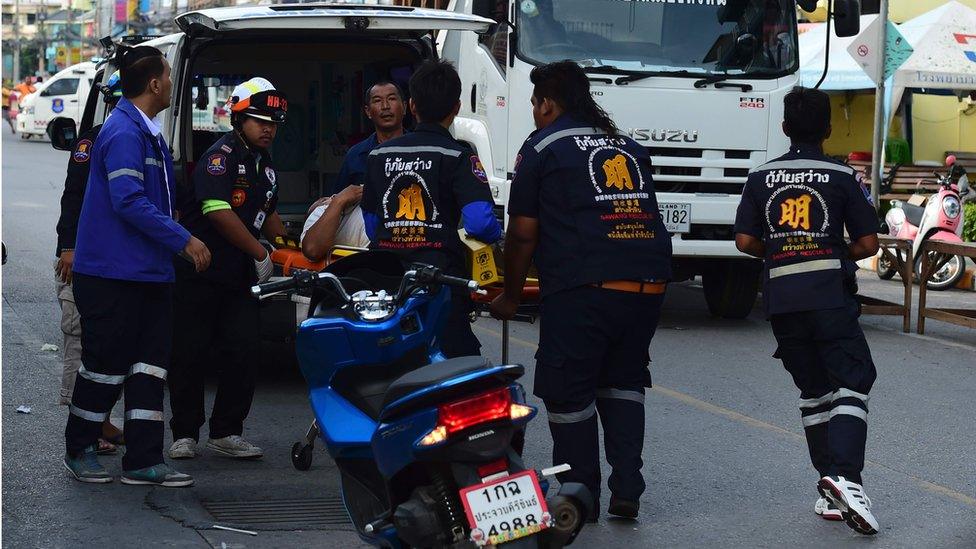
(593, 360)
(829, 359)
(456, 337)
(212, 321)
(126, 333)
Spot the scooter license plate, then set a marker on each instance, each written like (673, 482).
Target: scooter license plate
(506, 509)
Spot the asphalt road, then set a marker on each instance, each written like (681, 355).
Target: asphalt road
(724, 458)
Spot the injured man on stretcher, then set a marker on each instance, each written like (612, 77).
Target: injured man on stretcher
(334, 221)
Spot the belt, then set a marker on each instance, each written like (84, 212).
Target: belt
(632, 286)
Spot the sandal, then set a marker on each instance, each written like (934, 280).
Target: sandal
(106, 448)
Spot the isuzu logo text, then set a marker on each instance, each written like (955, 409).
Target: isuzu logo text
(661, 136)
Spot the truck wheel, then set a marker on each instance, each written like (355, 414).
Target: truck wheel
(731, 287)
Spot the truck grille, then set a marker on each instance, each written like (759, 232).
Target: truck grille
(688, 170)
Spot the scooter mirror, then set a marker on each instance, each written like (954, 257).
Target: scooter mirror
(808, 6)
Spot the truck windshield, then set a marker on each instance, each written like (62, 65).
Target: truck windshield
(689, 37)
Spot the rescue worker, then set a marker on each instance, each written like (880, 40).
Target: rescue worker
(337, 219)
(793, 214)
(384, 107)
(122, 277)
(231, 204)
(582, 203)
(420, 187)
(67, 230)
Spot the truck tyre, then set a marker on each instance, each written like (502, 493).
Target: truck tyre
(731, 287)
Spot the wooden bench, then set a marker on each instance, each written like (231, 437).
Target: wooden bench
(960, 317)
(908, 180)
(899, 252)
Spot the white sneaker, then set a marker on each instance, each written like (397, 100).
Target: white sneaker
(827, 510)
(854, 504)
(184, 448)
(234, 446)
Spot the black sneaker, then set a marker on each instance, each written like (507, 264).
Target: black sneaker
(624, 508)
(85, 466)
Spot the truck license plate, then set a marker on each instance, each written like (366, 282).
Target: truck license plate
(505, 509)
(677, 217)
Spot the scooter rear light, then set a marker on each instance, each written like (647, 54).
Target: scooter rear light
(519, 411)
(458, 416)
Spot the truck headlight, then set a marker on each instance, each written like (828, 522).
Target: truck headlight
(950, 205)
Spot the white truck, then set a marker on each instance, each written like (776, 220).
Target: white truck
(699, 82)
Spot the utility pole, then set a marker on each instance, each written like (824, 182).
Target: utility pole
(877, 160)
(16, 41)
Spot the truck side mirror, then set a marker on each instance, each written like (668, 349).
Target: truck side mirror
(62, 133)
(808, 6)
(847, 18)
(203, 98)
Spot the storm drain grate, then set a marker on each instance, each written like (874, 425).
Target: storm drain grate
(280, 514)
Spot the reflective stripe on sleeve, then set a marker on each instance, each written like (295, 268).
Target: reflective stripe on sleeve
(148, 369)
(100, 378)
(814, 402)
(154, 162)
(847, 393)
(849, 411)
(214, 206)
(805, 267)
(126, 171)
(97, 417)
(620, 394)
(417, 149)
(148, 415)
(573, 417)
(816, 419)
(541, 145)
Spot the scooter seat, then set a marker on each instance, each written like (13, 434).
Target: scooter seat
(913, 213)
(432, 374)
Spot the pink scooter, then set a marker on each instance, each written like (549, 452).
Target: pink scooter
(940, 218)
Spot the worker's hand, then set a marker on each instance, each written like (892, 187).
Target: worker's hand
(320, 202)
(349, 196)
(264, 268)
(198, 253)
(63, 268)
(503, 308)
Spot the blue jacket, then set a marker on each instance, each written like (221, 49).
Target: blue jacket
(126, 230)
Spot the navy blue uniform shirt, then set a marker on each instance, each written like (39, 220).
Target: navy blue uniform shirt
(353, 170)
(594, 198)
(419, 189)
(245, 179)
(799, 205)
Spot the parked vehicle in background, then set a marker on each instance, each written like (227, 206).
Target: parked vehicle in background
(61, 96)
(701, 84)
(939, 217)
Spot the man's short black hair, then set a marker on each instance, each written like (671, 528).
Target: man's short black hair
(137, 67)
(369, 91)
(807, 115)
(435, 89)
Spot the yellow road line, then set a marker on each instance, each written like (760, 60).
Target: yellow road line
(759, 424)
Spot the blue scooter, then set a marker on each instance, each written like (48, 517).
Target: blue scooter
(428, 448)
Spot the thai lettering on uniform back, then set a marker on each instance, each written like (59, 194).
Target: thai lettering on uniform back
(594, 197)
(799, 205)
(419, 188)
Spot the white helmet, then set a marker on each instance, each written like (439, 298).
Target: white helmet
(259, 99)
